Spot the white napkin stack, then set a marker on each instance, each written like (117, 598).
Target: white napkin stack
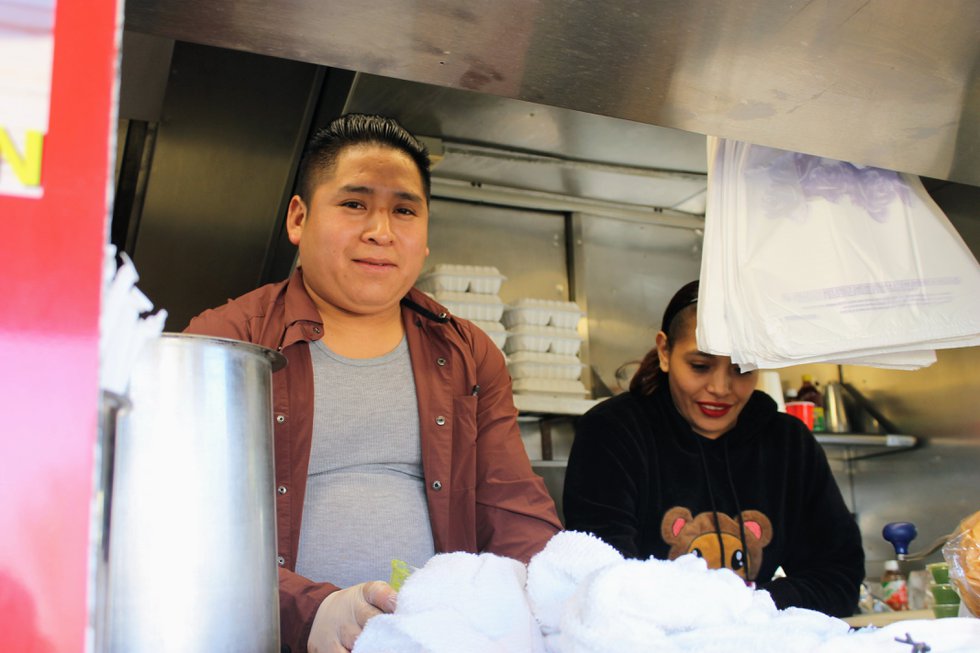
(808, 259)
(122, 330)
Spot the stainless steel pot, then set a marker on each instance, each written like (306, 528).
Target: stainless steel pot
(192, 546)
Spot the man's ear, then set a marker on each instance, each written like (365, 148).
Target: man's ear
(295, 219)
(663, 352)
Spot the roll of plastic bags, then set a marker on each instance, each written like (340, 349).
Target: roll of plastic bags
(808, 259)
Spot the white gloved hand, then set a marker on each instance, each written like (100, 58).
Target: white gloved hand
(342, 615)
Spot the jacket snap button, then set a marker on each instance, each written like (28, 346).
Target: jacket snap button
(440, 361)
(316, 329)
(280, 560)
(440, 420)
(280, 418)
(442, 316)
(282, 489)
(437, 485)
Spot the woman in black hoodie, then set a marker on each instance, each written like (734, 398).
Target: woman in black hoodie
(693, 460)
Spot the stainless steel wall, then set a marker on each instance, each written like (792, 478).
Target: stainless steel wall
(231, 128)
(528, 247)
(627, 272)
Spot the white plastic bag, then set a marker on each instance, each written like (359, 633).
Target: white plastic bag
(808, 259)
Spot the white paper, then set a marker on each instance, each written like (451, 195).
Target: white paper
(123, 329)
(26, 55)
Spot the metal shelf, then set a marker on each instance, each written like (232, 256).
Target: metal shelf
(544, 409)
(855, 446)
(868, 439)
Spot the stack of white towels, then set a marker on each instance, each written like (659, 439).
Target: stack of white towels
(580, 596)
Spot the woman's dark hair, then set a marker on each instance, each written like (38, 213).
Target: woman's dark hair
(352, 129)
(679, 311)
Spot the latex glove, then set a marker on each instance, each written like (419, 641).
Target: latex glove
(342, 615)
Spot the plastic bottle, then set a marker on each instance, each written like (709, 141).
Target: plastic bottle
(809, 392)
(894, 589)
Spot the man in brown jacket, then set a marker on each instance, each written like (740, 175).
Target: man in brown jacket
(395, 427)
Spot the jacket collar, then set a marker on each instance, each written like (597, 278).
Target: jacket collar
(421, 304)
(302, 320)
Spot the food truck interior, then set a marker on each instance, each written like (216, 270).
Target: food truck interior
(569, 149)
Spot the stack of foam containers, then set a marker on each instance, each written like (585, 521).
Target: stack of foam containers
(542, 347)
(470, 292)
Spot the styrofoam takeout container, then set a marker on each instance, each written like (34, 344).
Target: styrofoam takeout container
(471, 306)
(495, 330)
(542, 312)
(480, 279)
(543, 339)
(550, 386)
(543, 365)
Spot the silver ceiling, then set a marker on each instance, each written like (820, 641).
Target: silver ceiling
(520, 145)
(892, 83)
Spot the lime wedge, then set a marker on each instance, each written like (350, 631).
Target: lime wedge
(400, 570)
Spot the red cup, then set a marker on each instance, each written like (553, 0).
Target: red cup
(802, 410)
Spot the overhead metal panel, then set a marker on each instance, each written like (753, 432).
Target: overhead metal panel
(891, 83)
(492, 140)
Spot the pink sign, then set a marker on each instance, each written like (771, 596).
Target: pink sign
(56, 166)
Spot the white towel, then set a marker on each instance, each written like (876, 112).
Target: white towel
(556, 572)
(465, 603)
(426, 632)
(793, 630)
(681, 605)
(458, 602)
(941, 635)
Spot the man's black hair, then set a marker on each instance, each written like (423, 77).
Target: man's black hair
(352, 129)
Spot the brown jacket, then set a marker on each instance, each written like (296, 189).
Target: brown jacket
(482, 494)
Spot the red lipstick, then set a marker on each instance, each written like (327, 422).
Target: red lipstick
(712, 409)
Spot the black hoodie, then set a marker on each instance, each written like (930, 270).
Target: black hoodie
(759, 497)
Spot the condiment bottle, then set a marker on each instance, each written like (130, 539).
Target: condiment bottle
(894, 588)
(809, 392)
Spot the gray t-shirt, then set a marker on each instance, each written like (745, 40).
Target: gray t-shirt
(365, 493)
